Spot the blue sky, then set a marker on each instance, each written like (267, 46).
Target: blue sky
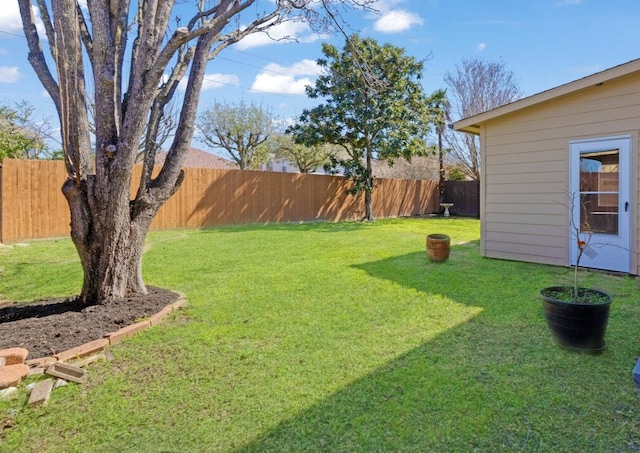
(546, 43)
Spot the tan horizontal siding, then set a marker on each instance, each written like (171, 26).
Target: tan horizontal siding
(526, 220)
(525, 208)
(546, 167)
(520, 229)
(526, 172)
(580, 108)
(530, 250)
(596, 120)
(517, 256)
(535, 154)
(532, 188)
(509, 198)
(528, 238)
(519, 175)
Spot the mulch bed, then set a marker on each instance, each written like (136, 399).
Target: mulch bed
(51, 326)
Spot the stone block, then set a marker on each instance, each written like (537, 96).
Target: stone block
(81, 363)
(40, 362)
(126, 332)
(67, 372)
(160, 316)
(36, 370)
(11, 375)
(9, 393)
(13, 356)
(84, 350)
(40, 393)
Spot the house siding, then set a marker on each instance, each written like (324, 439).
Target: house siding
(525, 181)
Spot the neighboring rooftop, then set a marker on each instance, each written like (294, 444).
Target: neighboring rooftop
(197, 158)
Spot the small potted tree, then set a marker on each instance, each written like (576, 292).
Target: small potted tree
(577, 316)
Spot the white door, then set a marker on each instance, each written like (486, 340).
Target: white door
(600, 203)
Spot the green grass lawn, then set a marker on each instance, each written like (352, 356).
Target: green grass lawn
(336, 337)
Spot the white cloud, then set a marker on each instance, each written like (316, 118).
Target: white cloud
(391, 18)
(395, 21)
(386, 5)
(10, 21)
(213, 81)
(282, 84)
(302, 67)
(9, 74)
(279, 34)
(481, 46)
(287, 80)
(10, 18)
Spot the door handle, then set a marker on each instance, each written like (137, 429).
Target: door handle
(626, 206)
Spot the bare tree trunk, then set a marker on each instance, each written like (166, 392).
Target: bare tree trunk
(441, 168)
(109, 244)
(368, 189)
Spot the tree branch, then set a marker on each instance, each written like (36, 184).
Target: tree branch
(36, 55)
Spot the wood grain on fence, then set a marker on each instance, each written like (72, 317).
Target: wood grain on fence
(465, 196)
(32, 205)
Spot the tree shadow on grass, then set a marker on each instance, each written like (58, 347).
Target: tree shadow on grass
(493, 381)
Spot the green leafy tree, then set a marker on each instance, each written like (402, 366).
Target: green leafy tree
(126, 59)
(456, 174)
(21, 136)
(305, 158)
(240, 130)
(374, 106)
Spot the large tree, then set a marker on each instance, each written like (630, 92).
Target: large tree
(126, 53)
(374, 107)
(240, 130)
(474, 87)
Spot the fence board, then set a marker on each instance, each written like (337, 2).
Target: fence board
(32, 205)
(465, 196)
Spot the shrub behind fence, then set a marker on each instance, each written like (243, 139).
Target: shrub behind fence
(32, 205)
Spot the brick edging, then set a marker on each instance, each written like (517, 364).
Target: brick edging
(111, 338)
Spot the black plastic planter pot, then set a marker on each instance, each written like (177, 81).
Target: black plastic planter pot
(577, 325)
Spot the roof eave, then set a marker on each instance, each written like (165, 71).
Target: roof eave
(468, 128)
(472, 124)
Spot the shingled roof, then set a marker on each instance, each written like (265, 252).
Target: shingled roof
(197, 158)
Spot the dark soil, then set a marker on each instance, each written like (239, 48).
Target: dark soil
(50, 326)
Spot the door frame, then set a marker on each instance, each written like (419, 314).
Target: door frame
(617, 257)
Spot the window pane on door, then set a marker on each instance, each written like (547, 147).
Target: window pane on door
(599, 191)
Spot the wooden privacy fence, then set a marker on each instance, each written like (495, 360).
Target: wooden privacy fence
(465, 196)
(32, 205)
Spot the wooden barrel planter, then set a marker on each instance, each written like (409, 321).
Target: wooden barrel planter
(438, 247)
